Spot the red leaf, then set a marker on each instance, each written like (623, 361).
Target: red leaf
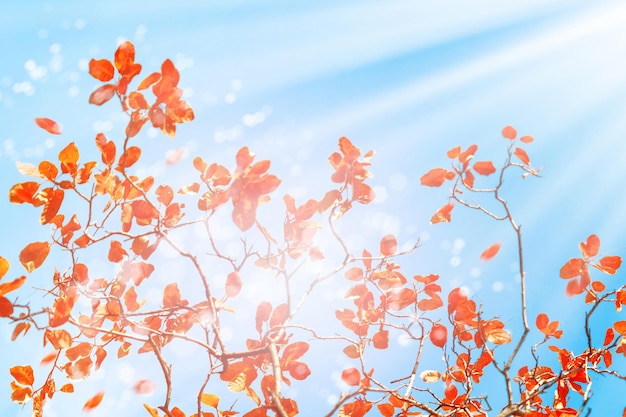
(388, 245)
(401, 299)
(263, 311)
(351, 376)
(125, 60)
(591, 247)
(454, 152)
(48, 125)
(609, 264)
(101, 69)
(6, 307)
(443, 214)
(102, 94)
(438, 335)
(484, 167)
(33, 255)
(522, 155)
(490, 252)
(436, 177)
(233, 284)
(509, 132)
(609, 336)
(572, 268)
(93, 402)
(542, 321)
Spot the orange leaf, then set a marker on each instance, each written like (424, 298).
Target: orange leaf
(499, 336)
(572, 268)
(33, 255)
(210, 400)
(102, 94)
(522, 155)
(591, 247)
(93, 402)
(436, 177)
(59, 339)
(48, 125)
(388, 245)
(609, 264)
(171, 295)
(351, 376)
(490, 252)
(443, 214)
(542, 321)
(484, 167)
(6, 307)
(620, 327)
(68, 158)
(69, 388)
(23, 374)
(23, 192)
(101, 69)
(509, 132)
(526, 139)
(128, 158)
(125, 59)
(7, 287)
(116, 252)
(454, 152)
(149, 80)
(438, 335)
(401, 299)
(233, 284)
(21, 327)
(4, 266)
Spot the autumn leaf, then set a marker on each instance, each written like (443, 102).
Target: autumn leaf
(522, 155)
(436, 177)
(351, 376)
(591, 247)
(93, 402)
(443, 214)
(430, 376)
(6, 307)
(210, 400)
(381, 339)
(484, 168)
(233, 284)
(23, 374)
(102, 94)
(490, 252)
(4, 266)
(609, 264)
(48, 125)
(438, 335)
(572, 268)
(101, 69)
(509, 132)
(33, 255)
(388, 245)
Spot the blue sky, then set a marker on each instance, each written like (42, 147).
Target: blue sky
(408, 79)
